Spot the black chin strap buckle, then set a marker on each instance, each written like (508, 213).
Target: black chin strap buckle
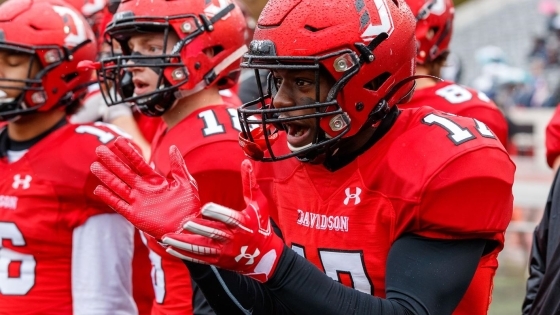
(366, 51)
(379, 112)
(209, 23)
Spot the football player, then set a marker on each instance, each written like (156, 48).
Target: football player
(99, 13)
(434, 27)
(180, 55)
(381, 210)
(62, 251)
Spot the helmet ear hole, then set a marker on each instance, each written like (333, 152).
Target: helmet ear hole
(213, 51)
(70, 76)
(377, 82)
(217, 49)
(432, 32)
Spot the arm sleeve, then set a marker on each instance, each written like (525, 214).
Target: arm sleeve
(537, 267)
(539, 251)
(199, 304)
(438, 274)
(230, 293)
(102, 250)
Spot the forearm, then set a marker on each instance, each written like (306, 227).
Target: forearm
(438, 273)
(230, 293)
(307, 290)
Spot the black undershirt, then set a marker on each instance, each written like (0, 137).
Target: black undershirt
(7, 144)
(424, 276)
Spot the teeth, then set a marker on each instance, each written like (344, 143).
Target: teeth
(296, 130)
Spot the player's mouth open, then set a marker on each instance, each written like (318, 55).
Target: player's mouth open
(299, 135)
(140, 87)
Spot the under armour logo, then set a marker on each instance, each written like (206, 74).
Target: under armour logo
(355, 196)
(25, 183)
(250, 258)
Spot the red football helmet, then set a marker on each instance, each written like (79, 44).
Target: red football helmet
(368, 48)
(98, 13)
(216, 25)
(59, 38)
(434, 25)
(88, 7)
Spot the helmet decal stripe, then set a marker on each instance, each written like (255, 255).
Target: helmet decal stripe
(386, 25)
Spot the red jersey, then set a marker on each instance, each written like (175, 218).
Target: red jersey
(149, 125)
(553, 138)
(45, 197)
(208, 141)
(456, 99)
(229, 96)
(433, 174)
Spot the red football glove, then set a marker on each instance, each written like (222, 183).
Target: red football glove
(151, 202)
(242, 241)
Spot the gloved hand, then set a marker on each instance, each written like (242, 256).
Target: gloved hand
(153, 203)
(242, 241)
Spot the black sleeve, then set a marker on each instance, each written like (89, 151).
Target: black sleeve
(438, 273)
(199, 304)
(537, 267)
(229, 293)
(542, 294)
(537, 261)
(424, 276)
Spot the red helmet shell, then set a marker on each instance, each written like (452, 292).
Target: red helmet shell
(96, 13)
(434, 27)
(316, 28)
(227, 36)
(88, 7)
(59, 37)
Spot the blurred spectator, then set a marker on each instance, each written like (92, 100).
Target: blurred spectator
(510, 86)
(493, 64)
(534, 91)
(539, 49)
